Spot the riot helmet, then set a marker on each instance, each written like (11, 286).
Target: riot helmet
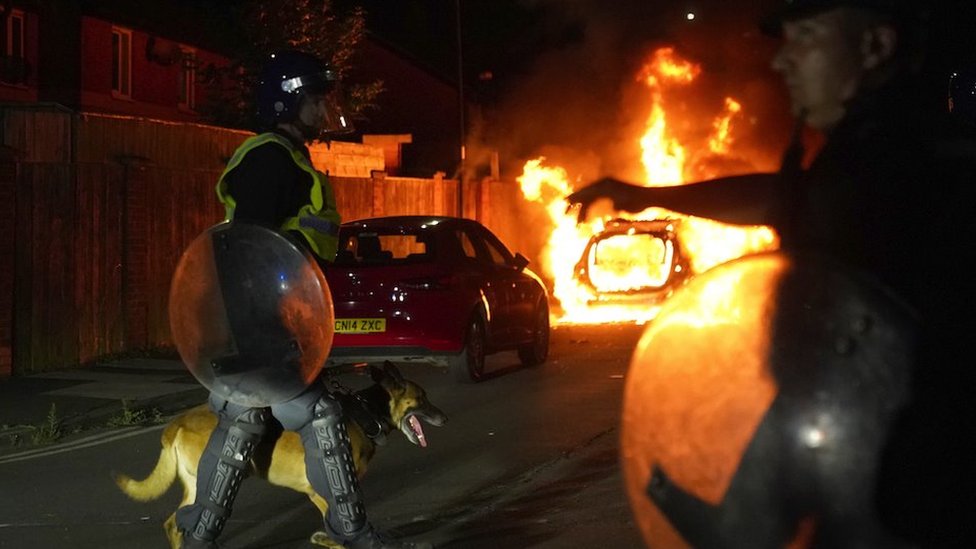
(291, 76)
(906, 13)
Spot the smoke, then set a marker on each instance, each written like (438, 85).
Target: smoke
(579, 102)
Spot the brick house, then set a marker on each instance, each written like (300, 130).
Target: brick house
(140, 60)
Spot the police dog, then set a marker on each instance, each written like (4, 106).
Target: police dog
(391, 403)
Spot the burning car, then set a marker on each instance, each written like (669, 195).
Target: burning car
(680, 141)
(633, 261)
(438, 290)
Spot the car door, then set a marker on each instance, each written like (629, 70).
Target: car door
(483, 264)
(512, 286)
(476, 271)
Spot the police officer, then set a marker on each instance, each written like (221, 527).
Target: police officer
(847, 65)
(270, 181)
(888, 193)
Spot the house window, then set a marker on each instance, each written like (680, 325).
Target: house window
(15, 35)
(121, 62)
(13, 66)
(188, 78)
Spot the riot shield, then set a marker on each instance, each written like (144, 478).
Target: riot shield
(757, 404)
(251, 314)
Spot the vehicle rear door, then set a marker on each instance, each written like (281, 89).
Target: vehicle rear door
(490, 282)
(522, 290)
(515, 307)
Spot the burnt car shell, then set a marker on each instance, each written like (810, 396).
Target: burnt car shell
(654, 247)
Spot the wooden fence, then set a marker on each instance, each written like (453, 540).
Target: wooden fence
(96, 211)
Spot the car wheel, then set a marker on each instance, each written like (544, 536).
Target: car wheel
(469, 365)
(537, 351)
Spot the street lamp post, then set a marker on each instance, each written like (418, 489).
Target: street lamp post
(460, 78)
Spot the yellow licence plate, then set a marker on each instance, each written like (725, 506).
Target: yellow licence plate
(360, 325)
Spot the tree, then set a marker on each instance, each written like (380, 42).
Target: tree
(264, 26)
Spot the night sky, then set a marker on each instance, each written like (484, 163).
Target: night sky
(557, 77)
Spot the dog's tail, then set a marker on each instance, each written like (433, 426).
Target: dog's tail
(161, 477)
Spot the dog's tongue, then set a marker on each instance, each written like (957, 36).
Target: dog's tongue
(418, 430)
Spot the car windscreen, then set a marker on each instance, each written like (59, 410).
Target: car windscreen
(370, 247)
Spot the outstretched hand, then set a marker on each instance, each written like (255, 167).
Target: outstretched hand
(624, 196)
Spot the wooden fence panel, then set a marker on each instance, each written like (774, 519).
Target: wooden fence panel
(100, 253)
(172, 226)
(408, 196)
(105, 138)
(50, 319)
(359, 198)
(135, 260)
(449, 194)
(8, 231)
(38, 135)
(354, 197)
(166, 240)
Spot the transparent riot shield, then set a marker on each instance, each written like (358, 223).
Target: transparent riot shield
(251, 314)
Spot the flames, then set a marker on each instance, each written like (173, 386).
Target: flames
(663, 156)
(666, 160)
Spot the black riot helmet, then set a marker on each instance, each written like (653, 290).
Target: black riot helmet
(908, 14)
(287, 78)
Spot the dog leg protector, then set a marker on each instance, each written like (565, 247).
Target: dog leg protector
(219, 480)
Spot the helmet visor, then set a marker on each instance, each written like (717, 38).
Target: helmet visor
(319, 82)
(325, 85)
(337, 120)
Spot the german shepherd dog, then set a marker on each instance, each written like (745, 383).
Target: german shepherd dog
(391, 403)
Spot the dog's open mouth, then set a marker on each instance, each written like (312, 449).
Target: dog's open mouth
(413, 429)
(417, 430)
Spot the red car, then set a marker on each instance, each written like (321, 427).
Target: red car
(442, 290)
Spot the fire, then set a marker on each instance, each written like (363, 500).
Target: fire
(720, 141)
(611, 284)
(663, 156)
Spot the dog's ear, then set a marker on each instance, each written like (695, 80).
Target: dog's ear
(393, 371)
(376, 374)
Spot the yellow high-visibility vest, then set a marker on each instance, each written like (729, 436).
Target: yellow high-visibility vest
(318, 221)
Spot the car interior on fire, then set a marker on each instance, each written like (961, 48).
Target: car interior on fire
(633, 257)
(641, 259)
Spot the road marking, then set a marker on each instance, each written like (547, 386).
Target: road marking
(82, 443)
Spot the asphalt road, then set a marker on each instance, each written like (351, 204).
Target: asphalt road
(527, 459)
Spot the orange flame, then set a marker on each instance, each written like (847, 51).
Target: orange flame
(721, 140)
(663, 156)
(624, 266)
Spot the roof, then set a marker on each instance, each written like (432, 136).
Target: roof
(201, 23)
(404, 220)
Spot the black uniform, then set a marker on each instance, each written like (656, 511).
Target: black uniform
(892, 193)
(267, 186)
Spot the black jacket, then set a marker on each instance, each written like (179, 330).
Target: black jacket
(267, 185)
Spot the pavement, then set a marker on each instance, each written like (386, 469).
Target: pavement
(39, 408)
